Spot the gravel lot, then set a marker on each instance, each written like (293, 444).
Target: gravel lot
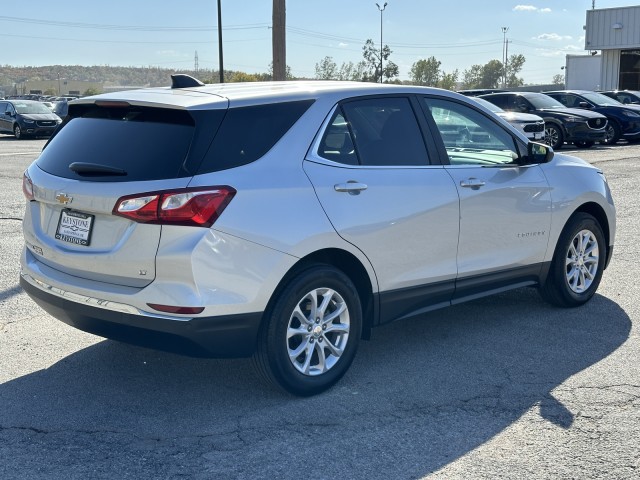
(503, 387)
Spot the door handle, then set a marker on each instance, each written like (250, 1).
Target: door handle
(351, 187)
(472, 183)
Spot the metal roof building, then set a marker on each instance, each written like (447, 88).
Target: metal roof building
(616, 32)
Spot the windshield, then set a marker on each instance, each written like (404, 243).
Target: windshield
(487, 104)
(601, 100)
(540, 100)
(31, 107)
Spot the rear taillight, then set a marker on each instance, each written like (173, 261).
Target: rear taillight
(198, 207)
(27, 187)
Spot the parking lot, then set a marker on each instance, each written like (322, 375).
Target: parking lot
(502, 387)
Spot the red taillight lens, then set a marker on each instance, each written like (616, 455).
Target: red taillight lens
(199, 207)
(27, 187)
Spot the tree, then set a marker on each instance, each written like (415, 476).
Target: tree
(371, 56)
(448, 80)
(326, 69)
(426, 72)
(491, 74)
(91, 91)
(514, 65)
(472, 77)
(558, 79)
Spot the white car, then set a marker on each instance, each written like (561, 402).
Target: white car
(531, 125)
(286, 220)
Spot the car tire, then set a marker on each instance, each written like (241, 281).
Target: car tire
(583, 144)
(17, 132)
(577, 264)
(310, 333)
(553, 136)
(613, 133)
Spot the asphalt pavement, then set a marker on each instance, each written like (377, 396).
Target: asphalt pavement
(502, 387)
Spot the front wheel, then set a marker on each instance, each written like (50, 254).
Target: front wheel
(17, 132)
(578, 263)
(553, 136)
(310, 335)
(612, 133)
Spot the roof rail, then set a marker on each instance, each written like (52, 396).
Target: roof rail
(180, 80)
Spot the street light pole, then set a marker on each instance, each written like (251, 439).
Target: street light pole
(504, 56)
(381, 10)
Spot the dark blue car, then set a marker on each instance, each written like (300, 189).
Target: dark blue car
(624, 120)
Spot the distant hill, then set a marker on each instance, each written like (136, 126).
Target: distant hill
(116, 76)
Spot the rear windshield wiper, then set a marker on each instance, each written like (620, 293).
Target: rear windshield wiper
(82, 168)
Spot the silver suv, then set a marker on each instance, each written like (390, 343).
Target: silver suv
(286, 220)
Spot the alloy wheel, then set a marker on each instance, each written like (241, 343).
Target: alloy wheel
(318, 331)
(582, 261)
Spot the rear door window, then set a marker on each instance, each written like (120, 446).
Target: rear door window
(247, 133)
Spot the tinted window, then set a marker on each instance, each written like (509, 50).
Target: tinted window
(247, 133)
(336, 144)
(470, 137)
(385, 132)
(147, 143)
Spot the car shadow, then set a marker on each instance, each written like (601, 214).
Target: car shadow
(421, 394)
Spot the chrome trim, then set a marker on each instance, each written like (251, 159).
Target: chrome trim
(76, 297)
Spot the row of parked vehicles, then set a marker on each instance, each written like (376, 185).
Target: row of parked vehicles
(570, 116)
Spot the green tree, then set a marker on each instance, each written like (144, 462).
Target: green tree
(448, 80)
(326, 69)
(91, 91)
(491, 74)
(472, 78)
(372, 57)
(426, 72)
(514, 65)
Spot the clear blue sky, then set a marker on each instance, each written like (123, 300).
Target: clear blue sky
(459, 33)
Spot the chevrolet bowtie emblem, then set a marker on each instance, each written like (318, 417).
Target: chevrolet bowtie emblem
(63, 198)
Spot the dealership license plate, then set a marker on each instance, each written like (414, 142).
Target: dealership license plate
(75, 227)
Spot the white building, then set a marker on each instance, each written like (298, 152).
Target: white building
(615, 32)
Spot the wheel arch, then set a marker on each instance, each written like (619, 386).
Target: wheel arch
(350, 266)
(596, 211)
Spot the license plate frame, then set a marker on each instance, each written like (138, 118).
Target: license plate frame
(75, 227)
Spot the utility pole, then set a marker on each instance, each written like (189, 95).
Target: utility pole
(195, 64)
(278, 40)
(221, 67)
(381, 10)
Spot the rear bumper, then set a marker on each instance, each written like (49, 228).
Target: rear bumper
(228, 336)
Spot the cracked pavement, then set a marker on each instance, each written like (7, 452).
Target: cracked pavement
(503, 387)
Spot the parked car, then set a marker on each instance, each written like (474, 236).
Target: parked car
(562, 124)
(624, 96)
(286, 220)
(61, 108)
(27, 118)
(624, 120)
(531, 125)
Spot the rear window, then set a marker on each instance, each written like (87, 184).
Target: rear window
(247, 133)
(146, 143)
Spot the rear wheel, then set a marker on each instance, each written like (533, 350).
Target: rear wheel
(578, 263)
(553, 136)
(17, 131)
(310, 335)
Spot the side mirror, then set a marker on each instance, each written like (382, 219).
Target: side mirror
(538, 153)
(584, 105)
